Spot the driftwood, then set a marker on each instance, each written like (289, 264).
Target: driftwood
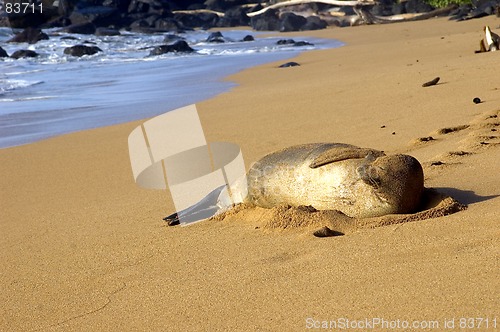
(300, 2)
(198, 11)
(369, 18)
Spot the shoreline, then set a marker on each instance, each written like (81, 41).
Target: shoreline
(85, 248)
(147, 89)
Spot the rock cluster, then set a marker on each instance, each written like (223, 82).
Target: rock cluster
(108, 16)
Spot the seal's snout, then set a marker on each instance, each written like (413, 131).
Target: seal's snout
(402, 177)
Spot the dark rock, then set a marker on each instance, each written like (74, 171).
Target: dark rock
(476, 100)
(198, 20)
(139, 24)
(224, 5)
(291, 22)
(159, 7)
(285, 42)
(121, 5)
(233, 17)
(66, 7)
(327, 232)
(292, 42)
(217, 5)
(138, 6)
(98, 15)
(289, 64)
(398, 8)
(152, 19)
(178, 47)
(248, 38)
(269, 21)
(196, 6)
(81, 50)
(417, 6)
(84, 28)
(168, 24)
(431, 83)
(383, 8)
(24, 54)
(215, 37)
(25, 20)
(3, 54)
(314, 23)
(107, 32)
(302, 43)
(487, 6)
(477, 13)
(348, 10)
(30, 36)
(461, 12)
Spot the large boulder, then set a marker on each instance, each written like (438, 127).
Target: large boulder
(24, 54)
(314, 23)
(178, 47)
(292, 22)
(168, 24)
(398, 8)
(269, 21)
(233, 17)
(198, 20)
(81, 50)
(30, 36)
(98, 15)
(215, 37)
(383, 8)
(30, 16)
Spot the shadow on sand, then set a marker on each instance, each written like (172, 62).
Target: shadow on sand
(464, 196)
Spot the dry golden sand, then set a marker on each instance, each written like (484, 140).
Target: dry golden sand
(83, 248)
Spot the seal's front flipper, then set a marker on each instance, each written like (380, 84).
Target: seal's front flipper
(343, 153)
(204, 209)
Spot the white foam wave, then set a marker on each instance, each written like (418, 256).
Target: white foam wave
(10, 100)
(10, 85)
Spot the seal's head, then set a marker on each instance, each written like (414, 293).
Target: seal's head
(398, 180)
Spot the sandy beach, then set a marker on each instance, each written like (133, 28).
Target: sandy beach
(83, 248)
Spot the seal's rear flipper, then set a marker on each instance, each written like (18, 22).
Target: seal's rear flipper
(172, 220)
(343, 153)
(204, 209)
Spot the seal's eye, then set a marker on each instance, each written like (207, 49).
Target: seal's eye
(369, 175)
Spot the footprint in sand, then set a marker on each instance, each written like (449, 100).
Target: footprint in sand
(480, 133)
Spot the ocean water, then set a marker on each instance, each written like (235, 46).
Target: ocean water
(56, 94)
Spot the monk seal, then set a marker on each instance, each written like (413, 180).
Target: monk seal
(359, 182)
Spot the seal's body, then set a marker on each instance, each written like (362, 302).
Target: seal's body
(330, 176)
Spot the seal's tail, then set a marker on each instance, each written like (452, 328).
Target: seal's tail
(204, 209)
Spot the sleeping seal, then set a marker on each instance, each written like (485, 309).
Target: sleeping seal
(359, 182)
